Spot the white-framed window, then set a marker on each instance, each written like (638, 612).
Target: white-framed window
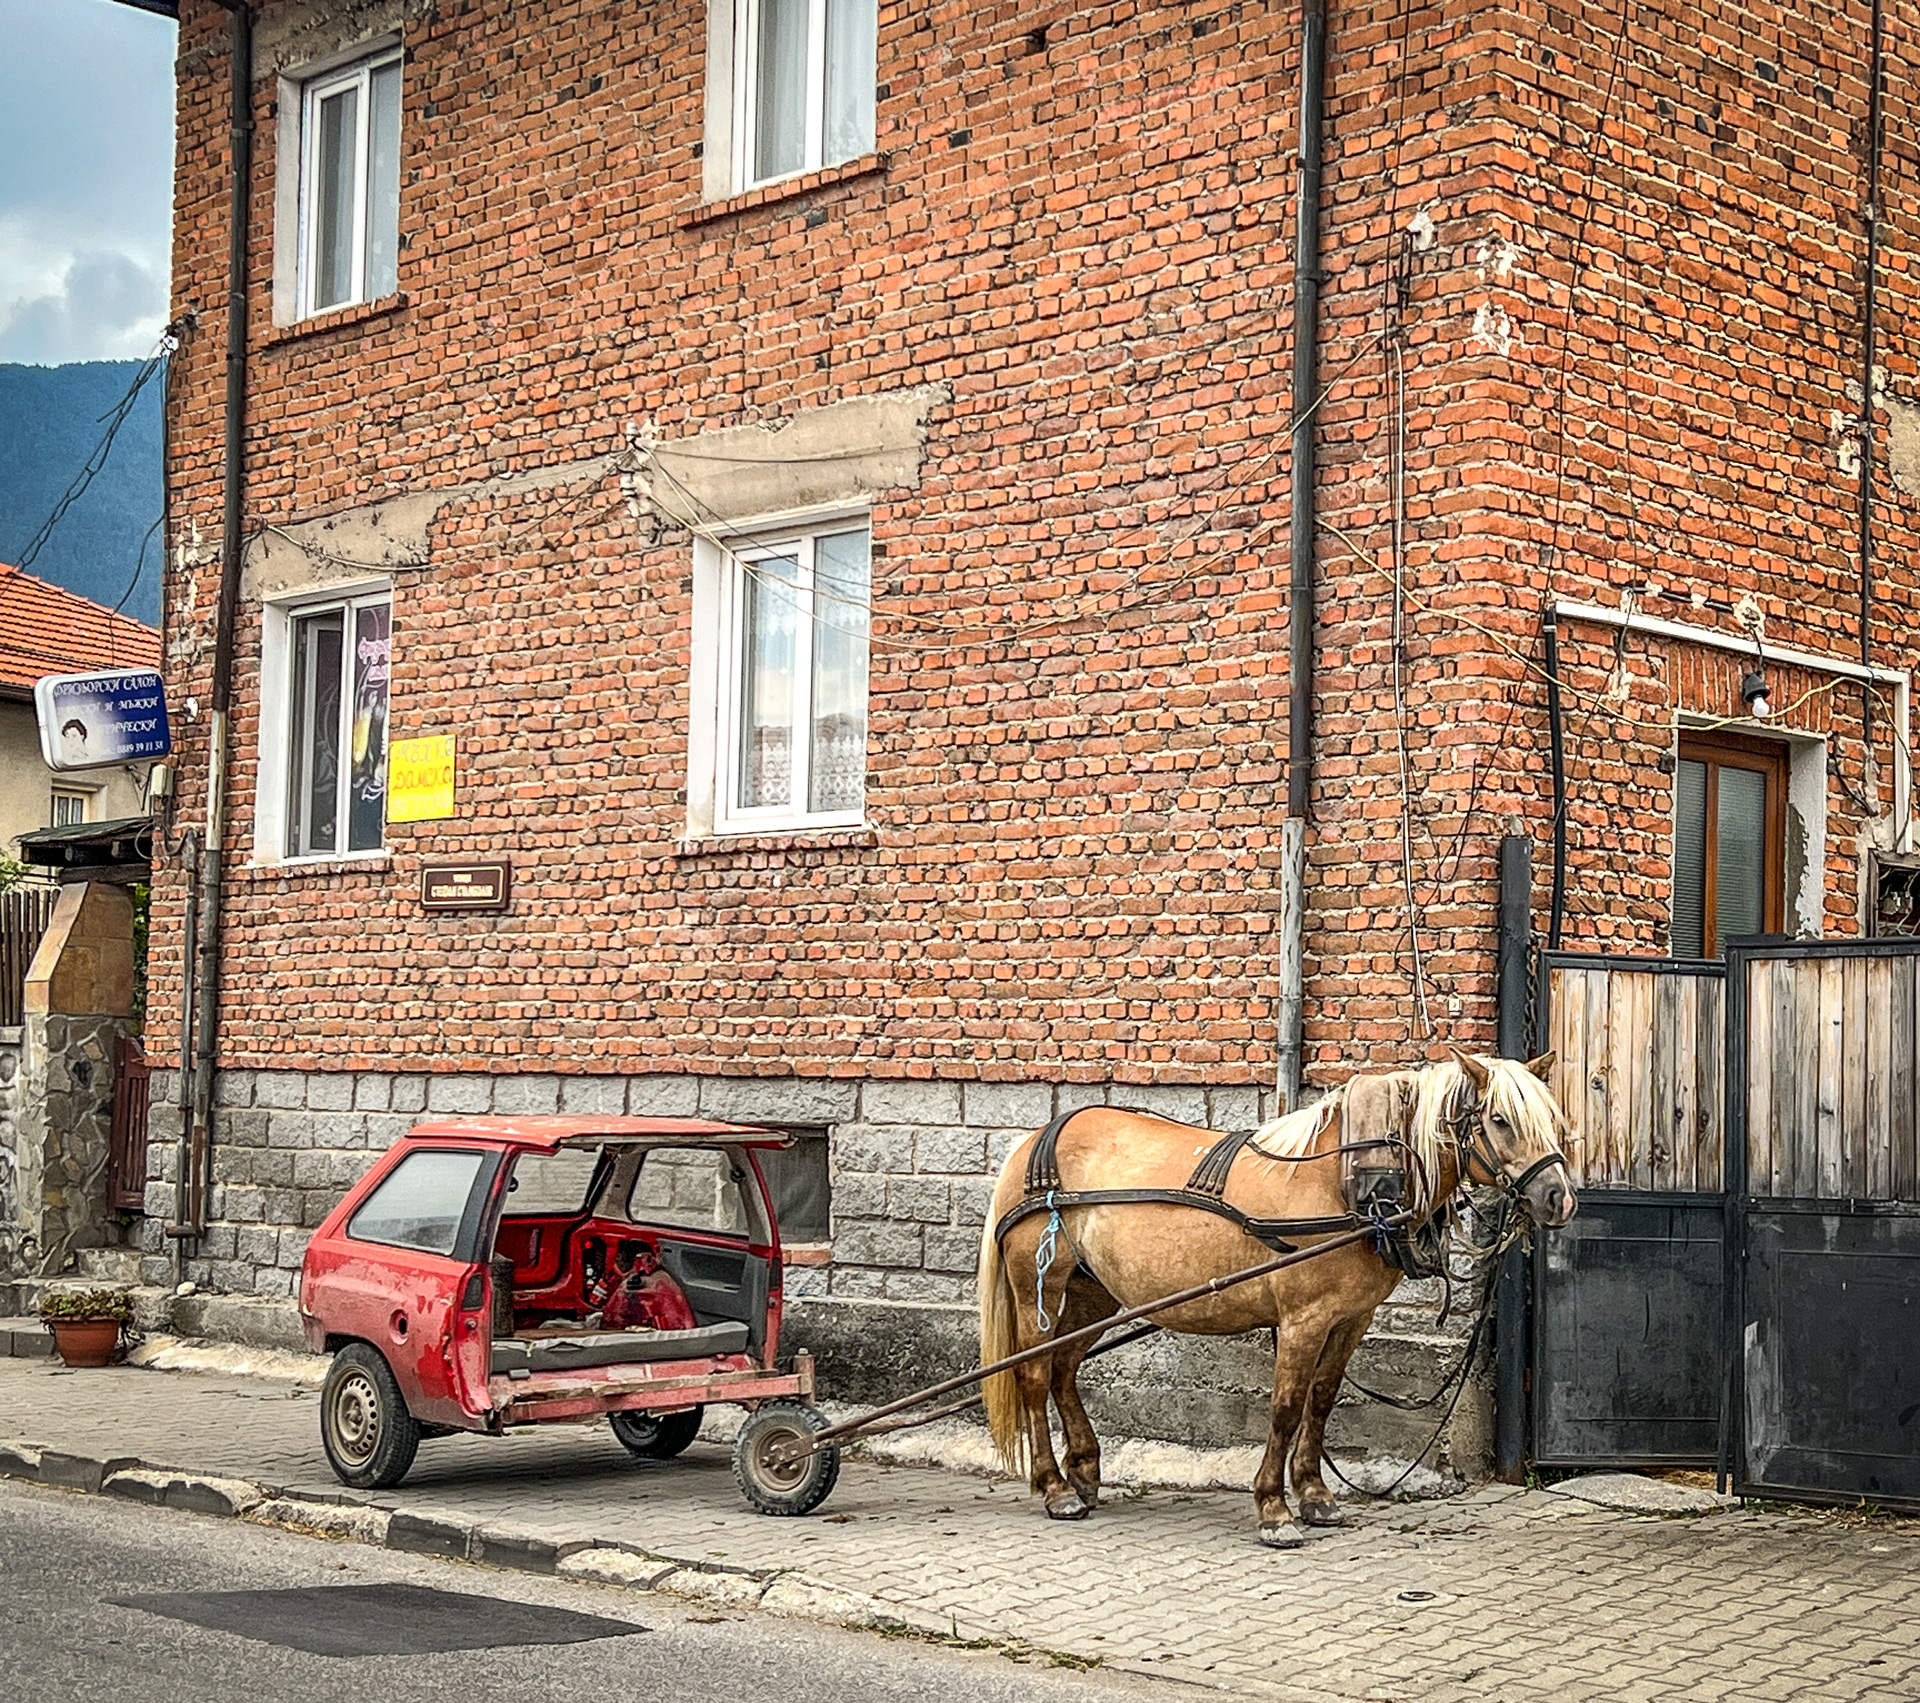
(803, 86)
(780, 680)
(329, 664)
(349, 207)
(69, 806)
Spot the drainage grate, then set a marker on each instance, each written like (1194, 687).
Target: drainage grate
(379, 1620)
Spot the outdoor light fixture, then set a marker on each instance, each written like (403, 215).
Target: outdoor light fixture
(1753, 689)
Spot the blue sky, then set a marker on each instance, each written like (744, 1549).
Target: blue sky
(86, 188)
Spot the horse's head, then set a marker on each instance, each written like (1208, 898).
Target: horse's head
(1507, 1124)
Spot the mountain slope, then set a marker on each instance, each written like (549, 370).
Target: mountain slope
(50, 421)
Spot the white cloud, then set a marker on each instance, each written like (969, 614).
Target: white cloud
(107, 307)
(86, 137)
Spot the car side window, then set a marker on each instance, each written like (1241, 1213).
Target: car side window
(551, 1185)
(420, 1203)
(688, 1188)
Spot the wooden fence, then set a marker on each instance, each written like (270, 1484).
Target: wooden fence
(1830, 1068)
(24, 915)
(1639, 1072)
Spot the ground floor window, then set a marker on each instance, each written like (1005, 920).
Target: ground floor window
(341, 657)
(1729, 848)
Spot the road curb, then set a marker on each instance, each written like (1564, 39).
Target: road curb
(788, 1593)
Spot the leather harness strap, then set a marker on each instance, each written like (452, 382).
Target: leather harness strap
(1272, 1232)
(1203, 1191)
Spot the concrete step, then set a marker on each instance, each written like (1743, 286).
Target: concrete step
(24, 1339)
(117, 1268)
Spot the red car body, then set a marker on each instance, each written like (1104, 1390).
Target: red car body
(431, 1311)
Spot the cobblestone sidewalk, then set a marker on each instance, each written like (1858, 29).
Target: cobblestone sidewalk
(1500, 1594)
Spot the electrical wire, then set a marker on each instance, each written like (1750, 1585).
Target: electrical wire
(114, 418)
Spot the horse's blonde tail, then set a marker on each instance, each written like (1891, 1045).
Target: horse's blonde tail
(997, 1341)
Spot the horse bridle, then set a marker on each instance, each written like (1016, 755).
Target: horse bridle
(1464, 1130)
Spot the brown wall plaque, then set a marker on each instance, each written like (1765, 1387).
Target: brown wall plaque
(465, 886)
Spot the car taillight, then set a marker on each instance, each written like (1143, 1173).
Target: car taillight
(474, 1297)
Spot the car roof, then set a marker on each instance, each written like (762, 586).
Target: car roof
(551, 1132)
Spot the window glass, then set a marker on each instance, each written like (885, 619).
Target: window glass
(1741, 860)
(69, 809)
(780, 95)
(421, 1204)
(850, 80)
(799, 1181)
(383, 182)
(372, 656)
(1690, 863)
(769, 606)
(837, 765)
(315, 768)
(690, 1188)
(549, 1185)
(336, 190)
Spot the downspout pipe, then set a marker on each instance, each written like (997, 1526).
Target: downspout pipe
(207, 965)
(1300, 601)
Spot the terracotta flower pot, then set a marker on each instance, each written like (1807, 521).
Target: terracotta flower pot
(85, 1342)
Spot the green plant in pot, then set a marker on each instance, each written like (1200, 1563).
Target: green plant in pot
(87, 1326)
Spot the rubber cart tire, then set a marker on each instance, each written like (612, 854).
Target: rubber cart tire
(656, 1436)
(369, 1435)
(773, 1487)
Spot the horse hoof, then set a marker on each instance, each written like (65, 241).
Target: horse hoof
(1067, 1507)
(1322, 1514)
(1088, 1493)
(1282, 1535)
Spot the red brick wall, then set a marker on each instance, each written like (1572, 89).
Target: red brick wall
(1076, 860)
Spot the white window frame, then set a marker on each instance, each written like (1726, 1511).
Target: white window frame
(316, 89)
(720, 576)
(83, 796)
(746, 80)
(272, 817)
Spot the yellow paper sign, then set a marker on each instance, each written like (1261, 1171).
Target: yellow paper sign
(420, 779)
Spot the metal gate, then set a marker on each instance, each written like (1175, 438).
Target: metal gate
(1824, 1172)
(127, 1132)
(1627, 1367)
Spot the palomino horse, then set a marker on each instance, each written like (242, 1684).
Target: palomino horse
(1479, 1120)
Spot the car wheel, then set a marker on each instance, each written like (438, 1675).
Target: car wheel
(772, 1481)
(656, 1436)
(369, 1435)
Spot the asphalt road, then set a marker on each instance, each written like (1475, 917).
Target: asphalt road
(72, 1569)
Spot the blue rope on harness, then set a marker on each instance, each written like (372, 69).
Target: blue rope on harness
(1043, 1262)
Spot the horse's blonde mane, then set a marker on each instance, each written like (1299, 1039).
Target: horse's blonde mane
(1442, 1090)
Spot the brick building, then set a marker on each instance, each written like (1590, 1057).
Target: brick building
(826, 471)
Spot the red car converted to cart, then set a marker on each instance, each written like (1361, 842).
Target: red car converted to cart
(496, 1272)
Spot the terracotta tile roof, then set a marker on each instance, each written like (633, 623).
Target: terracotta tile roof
(44, 630)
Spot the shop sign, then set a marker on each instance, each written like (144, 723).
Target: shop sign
(93, 721)
(420, 779)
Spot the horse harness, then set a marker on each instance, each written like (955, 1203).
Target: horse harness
(1376, 1192)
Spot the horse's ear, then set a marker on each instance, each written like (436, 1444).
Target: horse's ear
(1477, 1072)
(1542, 1066)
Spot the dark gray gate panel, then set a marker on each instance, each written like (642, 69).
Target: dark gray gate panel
(1831, 1368)
(1629, 1322)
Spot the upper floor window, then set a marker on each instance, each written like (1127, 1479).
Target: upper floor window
(336, 767)
(780, 675)
(803, 85)
(69, 807)
(1729, 842)
(349, 184)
